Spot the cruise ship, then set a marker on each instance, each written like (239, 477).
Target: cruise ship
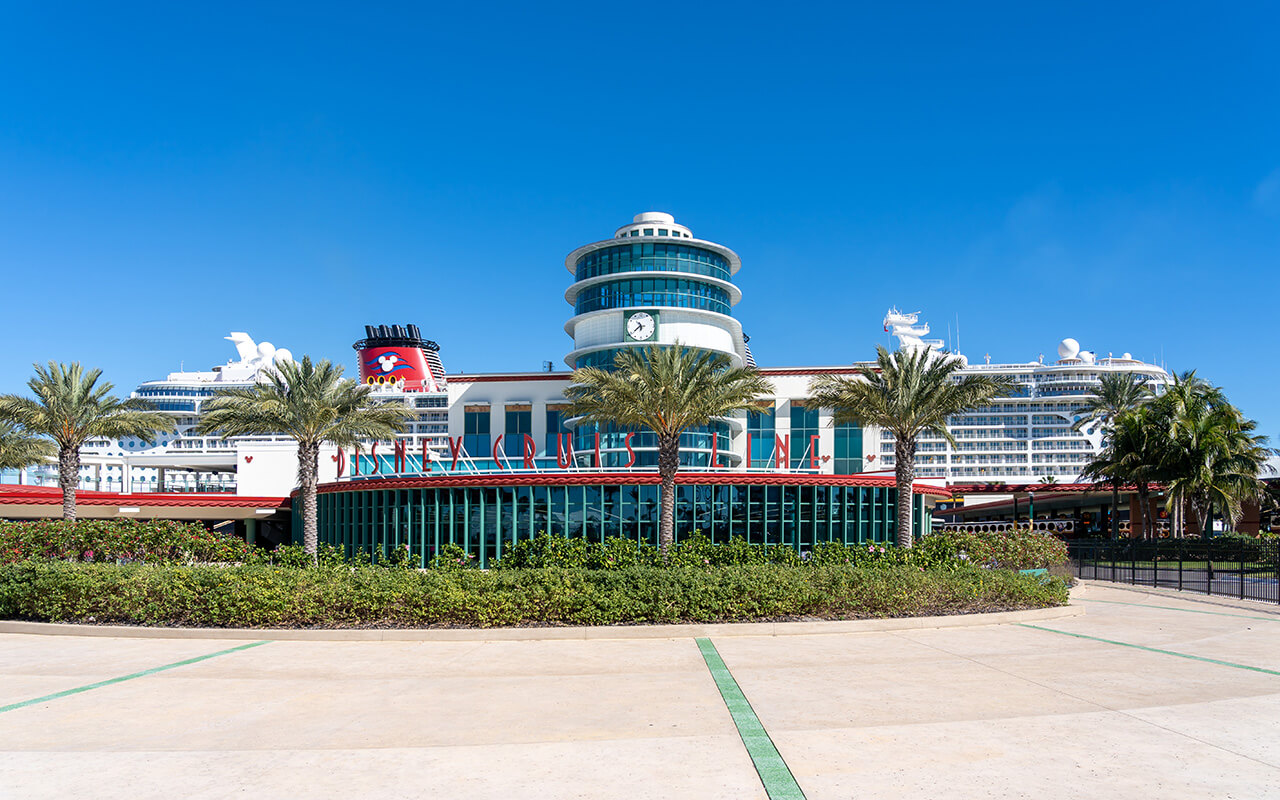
(1028, 436)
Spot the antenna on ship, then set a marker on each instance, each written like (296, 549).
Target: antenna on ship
(548, 366)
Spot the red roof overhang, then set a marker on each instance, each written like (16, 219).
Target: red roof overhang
(50, 495)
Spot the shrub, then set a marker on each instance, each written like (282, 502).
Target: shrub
(1014, 550)
(261, 595)
(296, 556)
(452, 557)
(577, 553)
(110, 540)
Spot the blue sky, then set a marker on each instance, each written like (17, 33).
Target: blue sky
(170, 173)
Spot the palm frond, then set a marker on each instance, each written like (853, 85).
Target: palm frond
(310, 402)
(20, 449)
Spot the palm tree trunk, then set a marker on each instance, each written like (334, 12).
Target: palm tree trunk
(1115, 511)
(905, 474)
(1148, 522)
(69, 479)
(668, 464)
(308, 470)
(1199, 510)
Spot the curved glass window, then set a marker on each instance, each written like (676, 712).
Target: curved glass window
(652, 257)
(600, 358)
(604, 358)
(676, 292)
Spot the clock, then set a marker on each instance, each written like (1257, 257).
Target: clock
(641, 326)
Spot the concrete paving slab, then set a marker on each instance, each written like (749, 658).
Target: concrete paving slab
(1094, 755)
(985, 711)
(693, 767)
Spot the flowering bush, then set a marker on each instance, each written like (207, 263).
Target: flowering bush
(95, 540)
(1021, 549)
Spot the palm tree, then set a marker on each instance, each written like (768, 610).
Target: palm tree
(667, 390)
(1133, 453)
(19, 449)
(1117, 393)
(1214, 458)
(71, 406)
(906, 393)
(312, 404)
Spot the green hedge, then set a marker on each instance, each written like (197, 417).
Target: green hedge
(110, 540)
(996, 550)
(274, 596)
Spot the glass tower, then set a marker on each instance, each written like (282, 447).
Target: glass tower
(653, 282)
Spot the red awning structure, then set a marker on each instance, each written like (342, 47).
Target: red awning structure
(43, 502)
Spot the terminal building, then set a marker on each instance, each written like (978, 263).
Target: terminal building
(489, 459)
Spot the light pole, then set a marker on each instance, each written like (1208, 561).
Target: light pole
(1031, 510)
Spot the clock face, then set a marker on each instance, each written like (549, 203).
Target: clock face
(641, 326)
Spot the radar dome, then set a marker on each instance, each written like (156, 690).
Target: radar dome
(1068, 348)
(266, 351)
(282, 355)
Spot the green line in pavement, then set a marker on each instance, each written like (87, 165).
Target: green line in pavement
(1154, 650)
(1188, 610)
(144, 673)
(776, 776)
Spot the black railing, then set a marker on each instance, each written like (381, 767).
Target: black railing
(1246, 569)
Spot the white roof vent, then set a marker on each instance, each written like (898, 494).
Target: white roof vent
(654, 216)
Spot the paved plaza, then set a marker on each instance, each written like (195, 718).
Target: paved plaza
(1148, 695)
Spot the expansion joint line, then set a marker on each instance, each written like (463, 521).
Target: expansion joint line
(779, 783)
(1154, 649)
(68, 692)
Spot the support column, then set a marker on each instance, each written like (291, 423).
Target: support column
(250, 530)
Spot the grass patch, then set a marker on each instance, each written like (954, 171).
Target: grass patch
(352, 597)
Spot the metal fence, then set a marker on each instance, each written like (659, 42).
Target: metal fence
(1247, 569)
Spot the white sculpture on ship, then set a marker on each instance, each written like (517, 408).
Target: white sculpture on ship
(254, 357)
(909, 334)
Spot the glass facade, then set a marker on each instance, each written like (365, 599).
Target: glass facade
(804, 425)
(476, 432)
(848, 455)
(555, 427)
(652, 257)
(600, 358)
(762, 427)
(695, 445)
(486, 520)
(519, 422)
(630, 292)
